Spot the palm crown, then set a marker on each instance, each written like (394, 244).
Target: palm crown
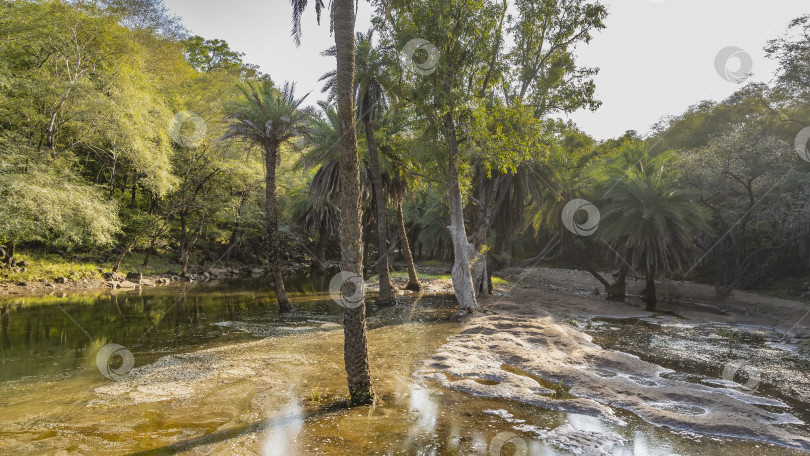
(649, 220)
(265, 116)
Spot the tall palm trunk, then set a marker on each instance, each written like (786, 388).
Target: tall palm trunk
(462, 249)
(273, 247)
(652, 300)
(386, 289)
(413, 279)
(355, 344)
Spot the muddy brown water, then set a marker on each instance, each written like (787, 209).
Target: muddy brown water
(259, 383)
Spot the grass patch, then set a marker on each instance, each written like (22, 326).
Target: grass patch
(47, 267)
(404, 275)
(431, 263)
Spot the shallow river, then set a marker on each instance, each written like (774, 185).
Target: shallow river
(258, 383)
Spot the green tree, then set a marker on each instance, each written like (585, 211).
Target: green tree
(652, 221)
(211, 55)
(46, 201)
(267, 118)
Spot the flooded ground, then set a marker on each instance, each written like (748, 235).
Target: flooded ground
(218, 371)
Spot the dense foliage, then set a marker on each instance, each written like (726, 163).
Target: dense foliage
(121, 134)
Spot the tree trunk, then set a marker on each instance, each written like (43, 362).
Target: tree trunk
(386, 295)
(226, 256)
(190, 246)
(650, 292)
(271, 205)
(10, 247)
(134, 188)
(148, 254)
(320, 250)
(462, 249)
(355, 343)
(616, 291)
(413, 279)
(112, 175)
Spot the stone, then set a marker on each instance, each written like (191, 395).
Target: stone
(62, 280)
(127, 284)
(113, 277)
(134, 277)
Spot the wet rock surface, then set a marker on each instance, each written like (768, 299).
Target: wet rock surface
(556, 354)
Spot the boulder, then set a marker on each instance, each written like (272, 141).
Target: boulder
(113, 277)
(127, 284)
(136, 277)
(62, 280)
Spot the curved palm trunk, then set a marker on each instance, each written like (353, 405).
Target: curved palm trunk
(355, 343)
(386, 289)
(273, 247)
(462, 249)
(413, 279)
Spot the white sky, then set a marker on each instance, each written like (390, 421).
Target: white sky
(656, 56)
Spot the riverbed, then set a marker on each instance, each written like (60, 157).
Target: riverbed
(216, 370)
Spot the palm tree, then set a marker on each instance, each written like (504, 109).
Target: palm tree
(650, 222)
(267, 118)
(325, 185)
(355, 345)
(370, 97)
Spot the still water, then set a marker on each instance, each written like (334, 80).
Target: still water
(218, 371)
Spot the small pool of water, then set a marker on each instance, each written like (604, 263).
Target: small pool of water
(257, 382)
